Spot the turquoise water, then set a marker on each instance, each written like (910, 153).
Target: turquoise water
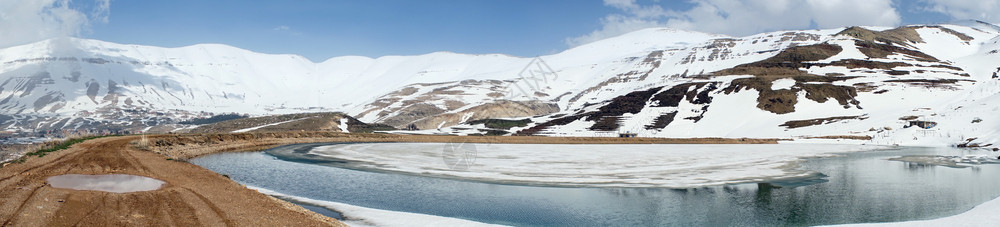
(859, 187)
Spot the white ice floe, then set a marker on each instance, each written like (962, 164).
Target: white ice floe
(363, 216)
(619, 165)
(950, 160)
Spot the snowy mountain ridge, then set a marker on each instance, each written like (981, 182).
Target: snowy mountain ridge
(79, 78)
(846, 82)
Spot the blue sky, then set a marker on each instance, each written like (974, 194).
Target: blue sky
(320, 29)
(323, 29)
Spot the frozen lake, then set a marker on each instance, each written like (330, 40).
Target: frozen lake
(846, 185)
(591, 165)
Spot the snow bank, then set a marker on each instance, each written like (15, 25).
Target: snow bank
(629, 165)
(362, 216)
(983, 215)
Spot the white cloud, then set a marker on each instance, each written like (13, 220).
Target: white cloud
(985, 10)
(27, 21)
(102, 11)
(285, 29)
(828, 14)
(742, 17)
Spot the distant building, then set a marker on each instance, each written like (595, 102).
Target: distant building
(922, 124)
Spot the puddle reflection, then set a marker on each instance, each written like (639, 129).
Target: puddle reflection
(117, 183)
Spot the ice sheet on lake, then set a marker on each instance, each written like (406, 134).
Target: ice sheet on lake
(949, 161)
(618, 165)
(362, 216)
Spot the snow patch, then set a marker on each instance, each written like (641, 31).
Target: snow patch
(262, 126)
(343, 125)
(782, 84)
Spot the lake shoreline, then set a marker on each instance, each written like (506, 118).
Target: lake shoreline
(187, 146)
(434, 167)
(195, 195)
(381, 190)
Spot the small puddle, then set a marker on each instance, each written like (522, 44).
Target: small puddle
(117, 183)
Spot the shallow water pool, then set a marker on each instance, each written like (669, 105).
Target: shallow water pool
(117, 183)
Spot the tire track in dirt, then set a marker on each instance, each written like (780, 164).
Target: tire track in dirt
(21, 173)
(62, 158)
(214, 208)
(21, 207)
(181, 214)
(90, 212)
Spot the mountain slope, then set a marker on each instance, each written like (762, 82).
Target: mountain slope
(856, 82)
(76, 83)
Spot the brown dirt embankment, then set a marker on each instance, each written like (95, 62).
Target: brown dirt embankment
(186, 146)
(193, 196)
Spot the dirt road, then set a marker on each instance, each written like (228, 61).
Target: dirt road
(193, 196)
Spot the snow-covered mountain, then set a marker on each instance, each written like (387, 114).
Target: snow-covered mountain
(73, 83)
(848, 82)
